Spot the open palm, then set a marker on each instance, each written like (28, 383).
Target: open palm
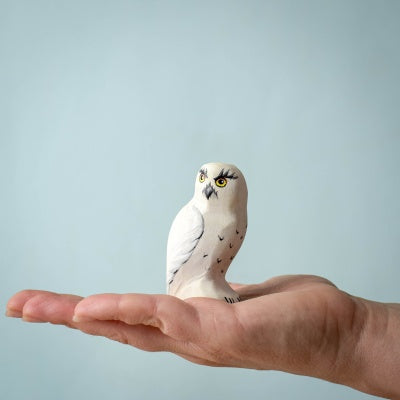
(288, 323)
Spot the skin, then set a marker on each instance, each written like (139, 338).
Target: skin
(296, 323)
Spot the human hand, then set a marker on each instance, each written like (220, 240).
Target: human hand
(299, 324)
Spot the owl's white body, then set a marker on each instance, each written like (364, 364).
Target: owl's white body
(207, 234)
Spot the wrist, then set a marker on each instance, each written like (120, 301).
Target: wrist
(375, 363)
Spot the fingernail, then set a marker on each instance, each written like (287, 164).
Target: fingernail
(27, 318)
(13, 313)
(75, 318)
(80, 318)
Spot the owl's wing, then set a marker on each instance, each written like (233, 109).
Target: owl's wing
(185, 233)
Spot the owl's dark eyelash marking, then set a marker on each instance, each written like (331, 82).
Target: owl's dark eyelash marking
(204, 172)
(226, 174)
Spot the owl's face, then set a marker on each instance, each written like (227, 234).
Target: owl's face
(220, 184)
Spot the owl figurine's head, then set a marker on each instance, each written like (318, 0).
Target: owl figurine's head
(220, 185)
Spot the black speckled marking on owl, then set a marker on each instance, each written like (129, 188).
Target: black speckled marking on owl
(205, 255)
(230, 245)
(218, 260)
(220, 238)
(237, 232)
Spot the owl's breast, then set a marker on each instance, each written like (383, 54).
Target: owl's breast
(221, 240)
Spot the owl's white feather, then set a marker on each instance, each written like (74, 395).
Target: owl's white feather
(185, 233)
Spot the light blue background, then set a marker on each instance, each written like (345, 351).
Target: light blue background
(107, 109)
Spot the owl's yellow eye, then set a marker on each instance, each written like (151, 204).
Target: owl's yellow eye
(221, 182)
(202, 178)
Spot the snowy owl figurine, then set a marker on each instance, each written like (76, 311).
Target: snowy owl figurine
(207, 234)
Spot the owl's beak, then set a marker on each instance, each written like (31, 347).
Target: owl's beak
(208, 191)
